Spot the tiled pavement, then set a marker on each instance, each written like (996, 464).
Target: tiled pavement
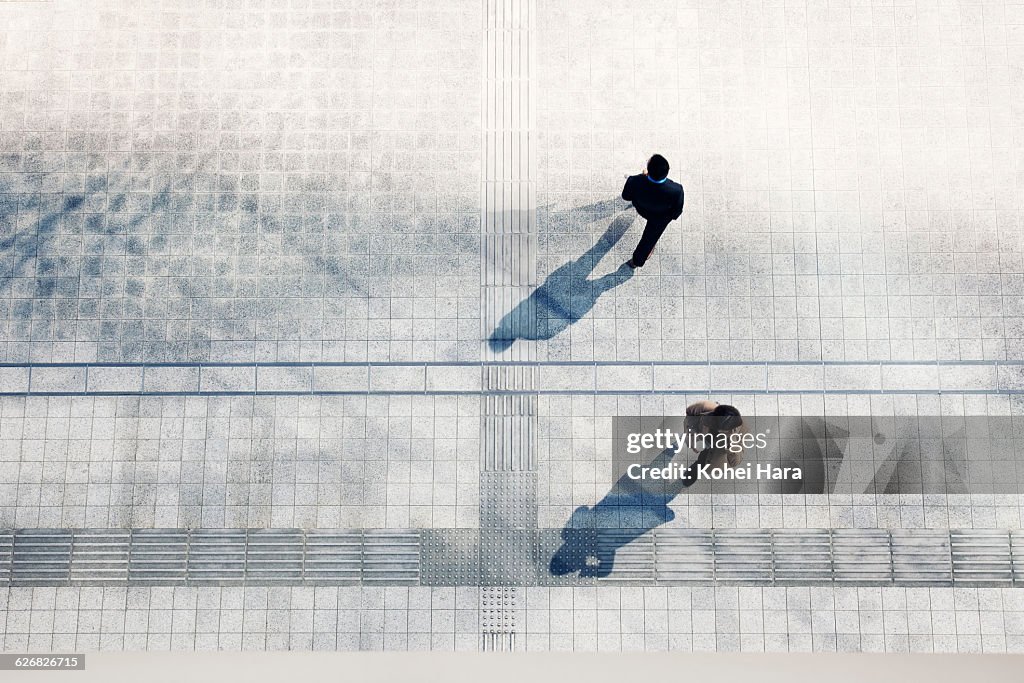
(330, 265)
(395, 461)
(581, 619)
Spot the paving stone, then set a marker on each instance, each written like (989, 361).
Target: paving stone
(227, 379)
(58, 379)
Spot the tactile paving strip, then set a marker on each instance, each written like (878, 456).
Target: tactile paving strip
(743, 556)
(862, 557)
(921, 557)
(517, 378)
(503, 556)
(509, 431)
(801, 556)
(562, 554)
(274, 556)
(391, 557)
(508, 191)
(333, 557)
(100, 556)
(1017, 556)
(6, 556)
(41, 557)
(499, 617)
(216, 556)
(507, 557)
(158, 557)
(508, 500)
(982, 557)
(450, 557)
(684, 556)
(209, 557)
(631, 557)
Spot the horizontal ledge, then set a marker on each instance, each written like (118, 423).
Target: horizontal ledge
(500, 363)
(558, 377)
(541, 392)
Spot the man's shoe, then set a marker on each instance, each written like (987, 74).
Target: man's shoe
(631, 264)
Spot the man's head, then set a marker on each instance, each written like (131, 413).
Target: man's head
(657, 167)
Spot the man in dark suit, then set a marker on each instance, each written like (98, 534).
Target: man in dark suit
(655, 198)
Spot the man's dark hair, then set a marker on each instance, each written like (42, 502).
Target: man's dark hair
(657, 167)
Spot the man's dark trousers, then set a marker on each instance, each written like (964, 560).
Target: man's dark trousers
(652, 233)
(660, 202)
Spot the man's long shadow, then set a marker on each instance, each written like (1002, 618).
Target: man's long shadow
(565, 296)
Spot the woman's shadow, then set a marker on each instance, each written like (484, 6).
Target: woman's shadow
(632, 508)
(565, 296)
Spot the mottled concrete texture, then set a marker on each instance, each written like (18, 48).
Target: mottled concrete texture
(350, 264)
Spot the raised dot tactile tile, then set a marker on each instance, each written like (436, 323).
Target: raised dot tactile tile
(500, 617)
(508, 500)
(507, 557)
(450, 557)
